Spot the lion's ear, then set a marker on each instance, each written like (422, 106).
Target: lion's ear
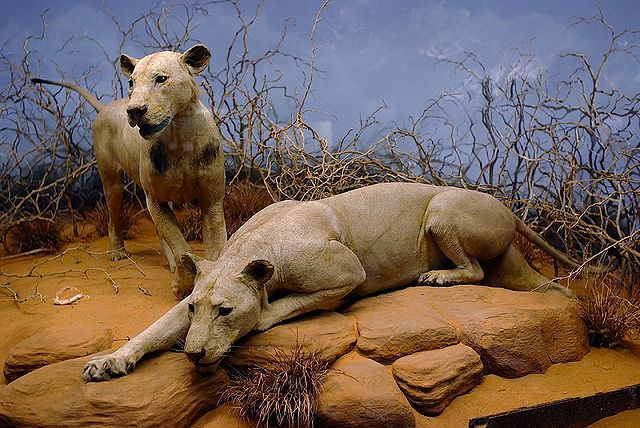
(258, 271)
(127, 64)
(196, 58)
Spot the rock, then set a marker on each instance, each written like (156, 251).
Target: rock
(392, 326)
(328, 334)
(432, 379)
(164, 390)
(55, 345)
(224, 416)
(515, 333)
(359, 392)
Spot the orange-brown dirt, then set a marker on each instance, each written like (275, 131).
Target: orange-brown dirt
(144, 295)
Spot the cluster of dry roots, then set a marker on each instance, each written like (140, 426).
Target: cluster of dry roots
(36, 235)
(282, 392)
(609, 315)
(241, 202)
(99, 218)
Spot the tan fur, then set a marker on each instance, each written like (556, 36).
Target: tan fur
(316, 253)
(166, 140)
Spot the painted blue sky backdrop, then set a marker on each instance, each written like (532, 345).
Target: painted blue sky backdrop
(372, 51)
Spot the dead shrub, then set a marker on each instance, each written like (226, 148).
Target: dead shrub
(35, 234)
(242, 201)
(99, 218)
(534, 256)
(282, 393)
(609, 316)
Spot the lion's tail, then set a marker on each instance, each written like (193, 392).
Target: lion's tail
(82, 91)
(532, 236)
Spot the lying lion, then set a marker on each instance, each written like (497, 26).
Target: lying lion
(315, 253)
(166, 140)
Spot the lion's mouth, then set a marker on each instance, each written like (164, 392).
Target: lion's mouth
(148, 130)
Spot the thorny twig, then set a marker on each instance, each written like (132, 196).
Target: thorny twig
(33, 272)
(16, 297)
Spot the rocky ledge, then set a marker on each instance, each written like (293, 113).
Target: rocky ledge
(415, 349)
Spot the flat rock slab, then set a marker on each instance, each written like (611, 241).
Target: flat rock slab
(328, 335)
(396, 324)
(163, 391)
(359, 392)
(55, 345)
(515, 333)
(432, 379)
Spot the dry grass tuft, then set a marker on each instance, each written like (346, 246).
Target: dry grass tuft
(282, 393)
(241, 202)
(36, 234)
(190, 222)
(609, 316)
(99, 217)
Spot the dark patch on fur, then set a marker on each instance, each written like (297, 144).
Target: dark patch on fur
(206, 156)
(160, 159)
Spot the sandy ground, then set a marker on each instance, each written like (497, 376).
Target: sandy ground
(144, 294)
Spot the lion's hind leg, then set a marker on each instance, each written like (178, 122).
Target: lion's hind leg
(113, 185)
(510, 270)
(467, 270)
(466, 226)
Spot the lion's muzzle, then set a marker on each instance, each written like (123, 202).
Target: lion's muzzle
(135, 114)
(195, 357)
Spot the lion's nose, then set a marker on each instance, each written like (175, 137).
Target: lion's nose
(195, 356)
(136, 113)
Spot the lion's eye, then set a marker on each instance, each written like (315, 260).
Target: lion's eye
(191, 307)
(161, 79)
(130, 83)
(223, 312)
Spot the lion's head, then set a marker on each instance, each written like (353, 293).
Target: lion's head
(161, 86)
(224, 306)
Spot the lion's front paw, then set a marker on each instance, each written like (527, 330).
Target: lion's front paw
(267, 320)
(436, 278)
(180, 289)
(120, 254)
(106, 367)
